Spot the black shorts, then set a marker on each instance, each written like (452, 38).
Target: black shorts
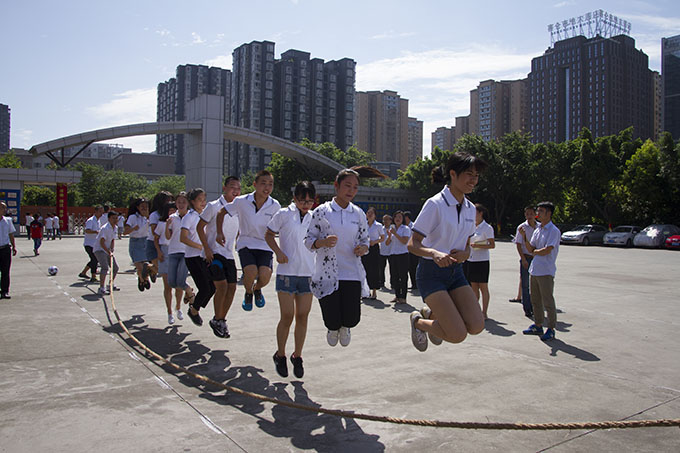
(222, 268)
(255, 257)
(476, 271)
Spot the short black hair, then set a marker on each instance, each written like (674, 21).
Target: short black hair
(304, 189)
(547, 205)
(228, 179)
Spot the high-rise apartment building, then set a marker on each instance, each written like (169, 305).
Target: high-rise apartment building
(415, 140)
(670, 74)
(497, 108)
(600, 83)
(4, 128)
(190, 82)
(462, 127)
(657, 110)
(382, 126)
(444, 138)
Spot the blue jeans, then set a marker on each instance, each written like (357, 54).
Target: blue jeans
(524, 278)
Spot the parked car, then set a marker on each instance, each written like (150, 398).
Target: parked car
(622, 235)
(584, 234)
(655, 235)
(673, 242)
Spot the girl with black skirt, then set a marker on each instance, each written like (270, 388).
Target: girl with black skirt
(371, 261)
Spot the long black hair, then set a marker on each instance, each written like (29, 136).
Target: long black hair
(458, 162)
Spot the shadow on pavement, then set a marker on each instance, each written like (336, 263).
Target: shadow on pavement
(496, 328)
(558, 345)
(403, 308)
(375, 303)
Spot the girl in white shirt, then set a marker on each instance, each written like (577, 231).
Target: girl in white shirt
(476, 268)
(163, 244)
(398, 238)
(371, 260)
(152, 248)
(294, 274)
(385, 249)
(177, 268)
(441, 237)
(137, 226)
(338, 234)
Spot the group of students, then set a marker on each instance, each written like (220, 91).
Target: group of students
(332, 253)
(39, 228)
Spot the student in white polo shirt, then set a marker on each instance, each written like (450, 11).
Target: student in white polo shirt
(92, 227)
(219, 255)
(8, 249)
(254, 211)
(137, 226)
(476, 268)
(385, 248)
(544, 244)
(49, 228)
(441, 237)
(103, 250)
(293, 274)
(338, 234)
(398, 238)
(525, 258)
(198, 268)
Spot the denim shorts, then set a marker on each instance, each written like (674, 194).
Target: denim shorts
(151, 253)
(137, 249)
(163, 265)
(293, 285)
(177, 271)
(255, 257)
(432, 278)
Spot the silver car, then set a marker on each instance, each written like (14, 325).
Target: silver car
(622, 235)
(655, 235)
(584, 234)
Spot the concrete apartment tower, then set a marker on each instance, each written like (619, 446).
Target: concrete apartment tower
(415, 140)
(4, 128)
(497, 108)
(670, 75)
(444, 138)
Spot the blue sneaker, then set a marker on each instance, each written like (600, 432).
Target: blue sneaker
(548, 335)
(259, 298)
(247, 304)
(534, 330)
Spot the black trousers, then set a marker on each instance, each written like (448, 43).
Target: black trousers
(5, 264)
(198, 269)
(93, 259)
(383, 265)
(371, 262)
(399, 274)
(342, 308)
(412, 266)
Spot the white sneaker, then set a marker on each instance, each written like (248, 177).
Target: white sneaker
(332, 337)
(103, 291)
(418, 337)
(345, 336)
(179, 315)
(427, 314)
(171, 318)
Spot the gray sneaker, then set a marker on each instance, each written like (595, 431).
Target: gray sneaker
(225, 328)
(427, 314)
(217, 328)
(418, 337)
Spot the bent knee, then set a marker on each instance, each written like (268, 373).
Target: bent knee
(456, 337)
(475, 328)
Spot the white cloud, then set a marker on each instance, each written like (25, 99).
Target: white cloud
(220, 61)
(392, 35)
(196, 38)
(564, 3)
(21, 138)
(163, 32)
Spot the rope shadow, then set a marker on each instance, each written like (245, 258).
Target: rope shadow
(496, 328)
(556, 345)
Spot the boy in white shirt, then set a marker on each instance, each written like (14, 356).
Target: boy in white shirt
(103, 250)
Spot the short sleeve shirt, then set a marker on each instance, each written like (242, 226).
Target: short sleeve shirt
(374, 231)
(385, 249)
(545, 236)
(442, 226)
(153, 220)
(6, 228)
(160, 229)
(292, 231)
(529, 231)
(189, 222)
(252, 222)
(483, 233)
(138, 220)
(229, 229)
(91, 224)
(48, 223)
(175, 245)
(108, 233)
(397, 247)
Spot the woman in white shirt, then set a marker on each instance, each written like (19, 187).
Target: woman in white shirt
(137, 226)
(338, 234)
(398, 240)
(441, 237)
(371, 260)
(177, 268)
(385, 249)
(163, 244)
(476, 268)
(293, 274)
(152, 248)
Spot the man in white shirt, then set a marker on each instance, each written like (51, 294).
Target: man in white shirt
(544, 245)
(49, 230)
(92, 227)
(220, 256)
(525, 257)
(103, 250)
(29, 219)
(7, 250)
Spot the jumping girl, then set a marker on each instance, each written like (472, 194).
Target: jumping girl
(137, 226)
(177, 268)
(163, 242)
(152, 248)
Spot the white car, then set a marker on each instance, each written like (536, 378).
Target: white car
(654, 235)
(584, 235)
(622, 235)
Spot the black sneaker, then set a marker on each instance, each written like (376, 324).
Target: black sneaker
(140, 285)
(217, 327)
(259, 298)
(152, 276)
(281, 366)
(196, 319)
(147, 284)
(298, 370)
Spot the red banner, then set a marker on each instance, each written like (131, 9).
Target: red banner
(62, 206)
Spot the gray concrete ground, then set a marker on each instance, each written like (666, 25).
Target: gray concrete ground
(70, 380)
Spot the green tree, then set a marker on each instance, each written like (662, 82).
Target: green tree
(417, 176)
(642, 188)
(10, 160)
(98, 186)
(39, 196)
(669, 161)
(173, 184)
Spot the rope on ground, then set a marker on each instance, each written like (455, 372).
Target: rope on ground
(624, 424)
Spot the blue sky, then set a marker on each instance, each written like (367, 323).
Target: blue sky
(74, 66)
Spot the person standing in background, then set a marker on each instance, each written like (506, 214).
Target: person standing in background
(476, 268)
(8, 249)
(92, 227)
(29, 219)
(385, 249)
(371, 260)
(525, 258)
(412, 259)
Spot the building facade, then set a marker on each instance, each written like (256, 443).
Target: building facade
(382, 126)
(603, 84)
(444, 138)
(462, 127)
(497, 108)
(190, 82)
(657, 110)
(670, 74)
(415, 140)
(4, 128)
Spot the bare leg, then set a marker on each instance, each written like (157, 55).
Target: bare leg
(455, 314)
(167, 294)
(179, 294)
(220, 298)
(264, 274)
(249, 276)
(303, 305)
(287, 309)
(484, 289)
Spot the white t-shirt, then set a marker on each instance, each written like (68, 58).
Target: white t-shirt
(109, 234)
(6, 228)
(229, 229)
(397, 248)
(189, 223)
(103, 220)
(252, 223)
(160, 229)
(375, 230)
(292, 231)
(545, 236)
(175, 227)
(529, 231)
(55, 222)
(385, 249)
(91, 224)
(483, 233)
(153, 220)
(48, 223)
(138, 220)
(443, 228)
